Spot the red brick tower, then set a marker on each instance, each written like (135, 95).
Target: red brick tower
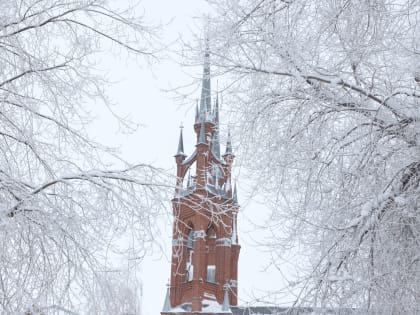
(205, 247)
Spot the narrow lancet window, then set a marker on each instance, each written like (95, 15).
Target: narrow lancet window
(190, 242)
(189, 268)
(211, 273)
(211, 254)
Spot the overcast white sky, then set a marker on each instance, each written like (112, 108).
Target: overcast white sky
(140, 95)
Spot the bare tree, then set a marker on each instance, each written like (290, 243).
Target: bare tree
(328, 101)
(61, 204)
(118, 292)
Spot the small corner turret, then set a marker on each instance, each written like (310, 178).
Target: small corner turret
(229, 156)
(180, 155)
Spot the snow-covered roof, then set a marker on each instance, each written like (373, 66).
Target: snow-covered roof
(209, 306)
(274, 310)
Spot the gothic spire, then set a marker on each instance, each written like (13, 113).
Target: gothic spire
(167, 303)
(216, 111)
(234, 231)
(216, 139)
(235, 195)
(205, 101)
(228, 145)
(197, 115)
(216, 143)
(189, 179)
(226, 302)
(180, 150)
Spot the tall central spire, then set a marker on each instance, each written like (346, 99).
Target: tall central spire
(205, 248)
(205, 102)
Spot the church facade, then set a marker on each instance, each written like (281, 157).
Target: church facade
(205, 248)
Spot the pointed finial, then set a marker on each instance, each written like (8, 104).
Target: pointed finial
(216, 110)
(235, 195)
(189, 179)
(202, 135)
(167, 303)
(229, 145)
(205, 102)
(226, 302)
(197, 116)
(216, 144)
(234, 232)
(180, 150)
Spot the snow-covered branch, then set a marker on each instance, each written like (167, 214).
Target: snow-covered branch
(65, 205)
(327, 98)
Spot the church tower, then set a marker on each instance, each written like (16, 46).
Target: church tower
(205, 249)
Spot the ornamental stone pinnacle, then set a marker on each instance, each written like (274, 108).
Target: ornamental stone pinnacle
(205, 101)
(228, 145)
(180, 150)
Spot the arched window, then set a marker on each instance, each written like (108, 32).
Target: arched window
(211, 233)
(189, 268)
(211, 254)
(190, 241)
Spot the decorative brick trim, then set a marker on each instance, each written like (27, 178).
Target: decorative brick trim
(199, 234)
(224, 242)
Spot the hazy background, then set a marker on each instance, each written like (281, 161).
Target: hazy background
(145, 97)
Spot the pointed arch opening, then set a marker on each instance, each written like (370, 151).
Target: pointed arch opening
(189, 267)
(211, 253)
(188, 180)
(216, 178)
